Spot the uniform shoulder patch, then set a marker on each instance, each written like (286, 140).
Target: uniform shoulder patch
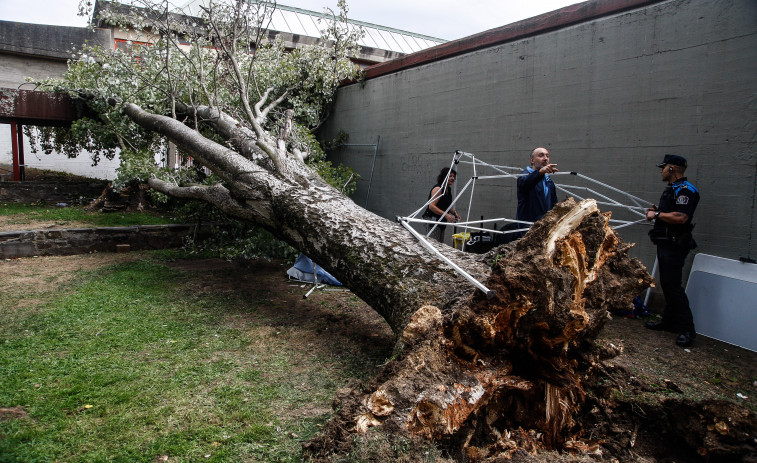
(682, 200)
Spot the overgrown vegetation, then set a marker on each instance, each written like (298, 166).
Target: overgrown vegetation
(228, 237)
(141, 362)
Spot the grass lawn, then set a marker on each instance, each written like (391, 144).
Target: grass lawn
(30, 214)
(129, 358)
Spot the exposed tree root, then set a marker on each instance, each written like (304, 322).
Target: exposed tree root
(491, 379)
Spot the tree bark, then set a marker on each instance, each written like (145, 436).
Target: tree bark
(484, 376)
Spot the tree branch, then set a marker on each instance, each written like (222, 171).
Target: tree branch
(242, 138)
(223, 161)
(264, 113)
(216, 194)
(231, 57)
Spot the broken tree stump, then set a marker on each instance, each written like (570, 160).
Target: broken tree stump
(486, 378)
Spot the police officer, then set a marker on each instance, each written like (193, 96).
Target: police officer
(672, 235)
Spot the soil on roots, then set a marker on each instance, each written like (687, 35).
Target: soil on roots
(647, 401)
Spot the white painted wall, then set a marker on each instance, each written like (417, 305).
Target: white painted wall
(81, 165)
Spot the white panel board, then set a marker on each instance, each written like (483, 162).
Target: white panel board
(723, 297)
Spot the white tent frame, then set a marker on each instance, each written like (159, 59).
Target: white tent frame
(637, 206)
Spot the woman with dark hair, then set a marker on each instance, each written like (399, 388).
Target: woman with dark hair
(440, 201)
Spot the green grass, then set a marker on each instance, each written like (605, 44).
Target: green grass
(126, 365)
(29, 213)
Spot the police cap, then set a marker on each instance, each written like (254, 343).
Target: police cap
(673, 159)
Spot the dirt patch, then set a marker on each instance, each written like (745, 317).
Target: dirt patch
(333, 312)
(710, 369)
(658, 400)
(26, 279)
(14, 413)
(9, 223)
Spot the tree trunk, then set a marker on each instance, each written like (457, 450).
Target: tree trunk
(484, 376)
(374, 257)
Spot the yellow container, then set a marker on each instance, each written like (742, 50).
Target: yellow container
(459, 238)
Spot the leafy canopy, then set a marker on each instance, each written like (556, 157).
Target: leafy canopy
(221, 59)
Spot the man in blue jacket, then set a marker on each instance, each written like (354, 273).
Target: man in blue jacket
(536, 191)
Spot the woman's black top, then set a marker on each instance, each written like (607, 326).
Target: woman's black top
(443, 203)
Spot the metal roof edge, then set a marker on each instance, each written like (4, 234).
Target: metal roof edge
(547, 22)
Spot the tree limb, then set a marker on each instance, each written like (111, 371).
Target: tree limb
(225, 162)
(216, 194)
(264, 113)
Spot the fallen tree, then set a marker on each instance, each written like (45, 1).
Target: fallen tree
(482, 378)
(474, 370)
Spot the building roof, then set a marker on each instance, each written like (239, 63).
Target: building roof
(299, 21)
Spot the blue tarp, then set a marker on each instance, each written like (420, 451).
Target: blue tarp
(303, 270)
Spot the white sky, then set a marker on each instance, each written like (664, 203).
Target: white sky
(446, 19)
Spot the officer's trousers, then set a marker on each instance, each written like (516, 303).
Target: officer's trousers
(670, 260)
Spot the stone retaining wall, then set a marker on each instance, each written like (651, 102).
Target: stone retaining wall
(51, 192)
(61, 242)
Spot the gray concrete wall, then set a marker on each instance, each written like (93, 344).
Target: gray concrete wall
(17, 68)
(52, 42)
(608, 97)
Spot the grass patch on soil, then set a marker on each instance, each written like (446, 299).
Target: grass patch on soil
(23, 214)
(139, 361)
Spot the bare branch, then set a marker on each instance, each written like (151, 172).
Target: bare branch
(261, 101)
(231, 56)
(274, 103)
(216, 194)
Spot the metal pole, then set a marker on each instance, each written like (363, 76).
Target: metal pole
(489, 293)
(370, 182)
(21, 160)
(315, 280)
(17, 173)
(649, 290)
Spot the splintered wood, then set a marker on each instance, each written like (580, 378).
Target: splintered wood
(502, 374)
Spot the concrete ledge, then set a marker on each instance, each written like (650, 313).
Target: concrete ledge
(57, 42)
(66, 242)
(51, 192)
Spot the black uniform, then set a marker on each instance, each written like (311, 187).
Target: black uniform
(674, 241)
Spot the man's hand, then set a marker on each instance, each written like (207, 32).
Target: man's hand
(548, 169)
(651, 211)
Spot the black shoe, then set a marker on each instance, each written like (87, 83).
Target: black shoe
(658, 326)
(685, 339)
